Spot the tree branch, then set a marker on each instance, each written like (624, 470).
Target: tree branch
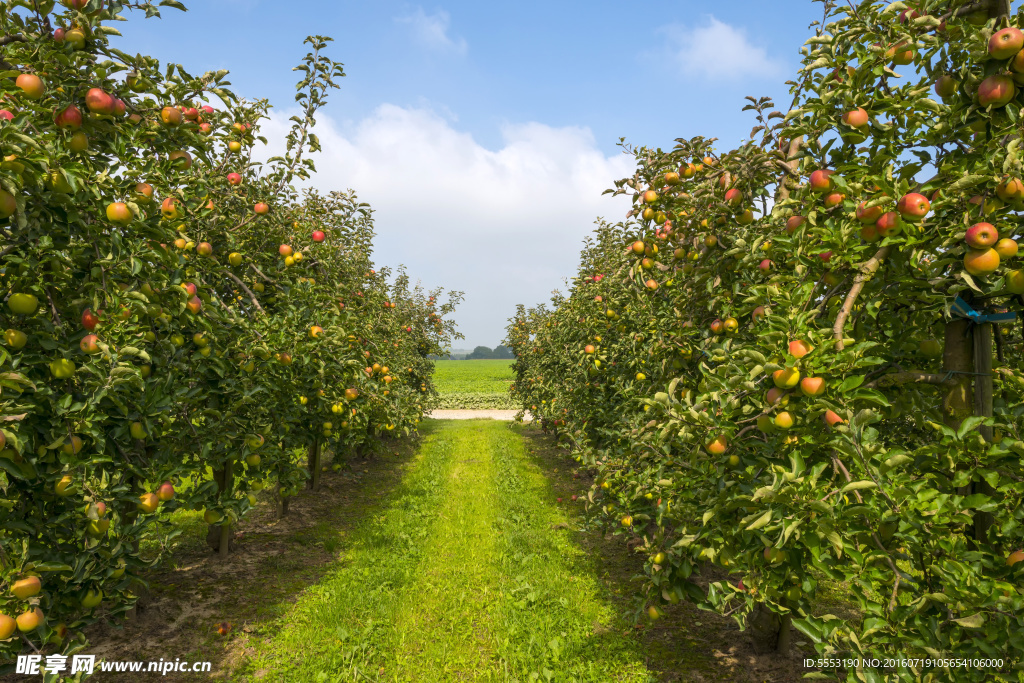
(867, 271)
(260, 273)
(252, 296)
(904, 377)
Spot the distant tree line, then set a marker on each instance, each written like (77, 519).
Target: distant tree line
(501, 352)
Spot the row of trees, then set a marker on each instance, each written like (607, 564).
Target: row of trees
(799, 361)
(184, 327)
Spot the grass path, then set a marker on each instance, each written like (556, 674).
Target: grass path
(466, 574)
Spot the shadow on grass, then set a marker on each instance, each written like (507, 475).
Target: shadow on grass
(687, 643)
(193, 592)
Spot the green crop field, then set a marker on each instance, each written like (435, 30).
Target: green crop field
(474, 383)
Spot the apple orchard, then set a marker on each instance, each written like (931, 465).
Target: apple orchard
(799, 361)
(183, 326)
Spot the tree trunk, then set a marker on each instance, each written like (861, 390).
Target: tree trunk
(218, 537)
(282, 502)
(313, 464)
(785, 634)
(763, 627)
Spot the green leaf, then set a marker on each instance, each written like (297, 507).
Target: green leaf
(858, 486)
(760, 521)
(973, 621)
(808, 628)
(851, 383)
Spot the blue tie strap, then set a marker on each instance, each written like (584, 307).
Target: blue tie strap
(962, 309)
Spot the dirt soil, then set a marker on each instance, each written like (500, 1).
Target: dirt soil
(195, 592)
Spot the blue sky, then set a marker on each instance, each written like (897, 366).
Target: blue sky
(484, 133)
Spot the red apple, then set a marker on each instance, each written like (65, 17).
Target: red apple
(69, 118)
(119, 213)
(181, 159)
(856, 118)
(143, 193)
(765, 265)
(793, 223)
(996, 90)
(1006, 248)
(318, 236)
(888, 224)
(99, 101)
(834, 199)
(170, 116)
(194, 304)
(866, 214)
(798, 348)
(900, 53)
(913, 206)
(169, 208)
(89, 344)
(1005, 43)
(166, 491)
(32, 86)
(981, 236)
(821, 181)
(812, 386)
(981, 261)
(718, 445)
(234, 179)
(832, 419)
(90, 320)
(1010, 190)
(285, 250)
(733, 197)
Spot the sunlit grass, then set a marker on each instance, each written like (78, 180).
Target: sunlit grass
(474, 383)
(464, 575)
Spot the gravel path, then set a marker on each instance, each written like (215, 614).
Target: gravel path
(507, 415)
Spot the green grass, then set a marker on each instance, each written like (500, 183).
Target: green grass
(473, 383)
(466, 574)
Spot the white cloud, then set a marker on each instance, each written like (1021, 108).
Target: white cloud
(431, 31)
(719, 50)
(505, 226)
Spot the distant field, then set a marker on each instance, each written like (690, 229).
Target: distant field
(473, 383)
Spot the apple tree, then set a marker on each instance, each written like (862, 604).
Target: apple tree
(797, 361)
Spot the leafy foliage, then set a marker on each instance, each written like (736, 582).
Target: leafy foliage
(769, 378)
(175, 312)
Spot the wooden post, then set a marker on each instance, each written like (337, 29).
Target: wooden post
(958, 356)
(983, 407)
